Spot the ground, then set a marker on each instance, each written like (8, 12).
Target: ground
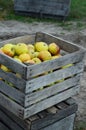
(72, 31)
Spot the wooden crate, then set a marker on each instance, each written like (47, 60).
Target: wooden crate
(27, 98)
(54, 118)
(43, 8)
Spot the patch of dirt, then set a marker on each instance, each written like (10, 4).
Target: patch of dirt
(10, 29)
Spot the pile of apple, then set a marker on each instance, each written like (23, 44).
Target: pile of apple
(31, 53)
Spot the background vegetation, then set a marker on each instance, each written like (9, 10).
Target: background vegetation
(77, 11)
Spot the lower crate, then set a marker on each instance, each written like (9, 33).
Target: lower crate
(58, 117)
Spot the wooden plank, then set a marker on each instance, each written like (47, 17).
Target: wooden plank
(10, 77)
(45, 80)
(50, 101)
(35, 70)
(52, 118)
(62, 105)
(21, 39)
(50, 91)
(48, 118)
(11, 105)
(43, 7)
(3, 126)
(70, 101)
(64, 44)
(13, 64)
(42, 114)
(13, 125)
(66, 123)
(20, 122)
(13, 93)
(52, 110)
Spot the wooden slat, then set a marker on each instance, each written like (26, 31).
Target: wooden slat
(52, 118)
(9, 122)
(64, 44)
(66, 123)
(35, 70)
(70, 101)
(47, 92)
(14, 118)
(43, 114)
(12, 93)
(13, 64)
(3, 126)
(52, 110)
(14, 79)
(21, 39)
(11, 105)
(50, 101)
(39, 82)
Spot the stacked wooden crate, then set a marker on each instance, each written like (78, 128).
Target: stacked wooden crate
(26, 98)
(43, 8)
(60, 116)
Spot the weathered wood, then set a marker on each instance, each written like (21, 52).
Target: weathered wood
(45, 80)
(21, 39)
(66, 123)
(13, 125)
(3, 126)
(38, 69)
(52, 90)
(50, 119)
(14, 118)
(13, 65)
(40, 120)
(64, 44)
(42, 8)
(35, 108)
(12, 93)
(11, 105)
(14, 79)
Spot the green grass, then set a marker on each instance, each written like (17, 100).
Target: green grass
(77, 12)
(81, 125)
(78, 9)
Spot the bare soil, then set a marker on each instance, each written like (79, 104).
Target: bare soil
(71, 31)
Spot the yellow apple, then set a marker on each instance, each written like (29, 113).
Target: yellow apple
(66, 66)
(41, 46)
(1, 51)
(28, 62)
(1, 78)
(36, 60)
(4, 68)
(44, 55)
(56, 56)
(24, 57)
(17, 59)
(54, 49)
(18, 75)
(59, 81)
(31, 52)
(21, 48)
(30, 46)
(36, 53)
(9, 49)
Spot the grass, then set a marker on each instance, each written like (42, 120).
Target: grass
(77, 12)
(81, 125)
(78, 9)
